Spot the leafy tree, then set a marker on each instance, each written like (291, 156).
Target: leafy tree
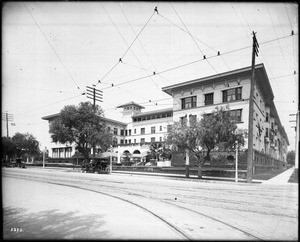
(159, 151)
(217, 130)
(83, 126)
(290, 157)
(26, 145)
(8, 148)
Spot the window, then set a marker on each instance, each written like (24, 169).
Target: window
(267, 132)
(129, 132)
(267, 117)
(108, 128)
(153, 130)
(122, 141)
(68, 152)
(169, 128)
(189, 102)
(115, 131)
(134, 140)
(160, 139)
(129, 141)
(142, 130)
(152, 139)
(142, 140)
(183, 120)
(135, 131)
(232, 94)
(272, 125)
(61, 152)
(125, 132)
(122, 132)
(160, 128)
(209, 98)
(115, 141)
(236, 115)
(125, 141)
(192, 119)
(55, 153)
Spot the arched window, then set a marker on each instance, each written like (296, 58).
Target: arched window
(136, 152)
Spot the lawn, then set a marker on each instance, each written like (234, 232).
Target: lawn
(268, 175)
(294, 177)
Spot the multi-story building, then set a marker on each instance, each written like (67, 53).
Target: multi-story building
(193, 98)
(190, 100)
(63, 152)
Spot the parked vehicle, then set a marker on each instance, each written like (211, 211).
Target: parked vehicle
(96, 166)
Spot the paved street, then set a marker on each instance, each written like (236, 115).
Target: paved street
(53, 204)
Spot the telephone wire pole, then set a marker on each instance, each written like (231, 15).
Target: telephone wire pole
(250, 155)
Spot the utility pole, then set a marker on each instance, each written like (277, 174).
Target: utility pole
(95, 95)
(251, 110)
(236, 160)
(8, 118)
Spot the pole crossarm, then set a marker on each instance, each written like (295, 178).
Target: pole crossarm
(94, 94)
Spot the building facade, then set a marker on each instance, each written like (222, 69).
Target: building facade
(232, 89)
(191, 99)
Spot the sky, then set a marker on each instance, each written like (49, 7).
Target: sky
(51, 51)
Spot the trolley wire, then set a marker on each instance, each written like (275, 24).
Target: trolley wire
(52, 47)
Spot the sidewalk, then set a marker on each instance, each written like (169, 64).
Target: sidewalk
(281, 179)
(212, 179)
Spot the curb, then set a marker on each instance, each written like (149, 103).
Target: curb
(193, 178)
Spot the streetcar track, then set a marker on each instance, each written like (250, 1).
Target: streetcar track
(67, 181)
(215, 219)
(172, 226)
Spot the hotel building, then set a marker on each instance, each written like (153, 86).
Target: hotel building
(193, 98)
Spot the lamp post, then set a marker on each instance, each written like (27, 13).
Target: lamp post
(110, 165)
(44, 157)
(236, 161)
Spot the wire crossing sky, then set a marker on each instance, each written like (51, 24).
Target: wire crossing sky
(52, 50)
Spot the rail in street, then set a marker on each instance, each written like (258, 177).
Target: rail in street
(191, 210)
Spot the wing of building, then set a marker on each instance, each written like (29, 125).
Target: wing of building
(191, 99)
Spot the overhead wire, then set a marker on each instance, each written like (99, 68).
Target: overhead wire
(187, 32)
(51, 47)
(141, 42)
(195, 61)
(143, 68)
(277, 37)
(49, 104)
(261, 52)
(192, 36)
(126, 49)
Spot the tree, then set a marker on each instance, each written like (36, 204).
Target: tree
(217, 130)
(290, 157)
(82, 125)
(159, 151)
(26, 145)
(8, 148)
